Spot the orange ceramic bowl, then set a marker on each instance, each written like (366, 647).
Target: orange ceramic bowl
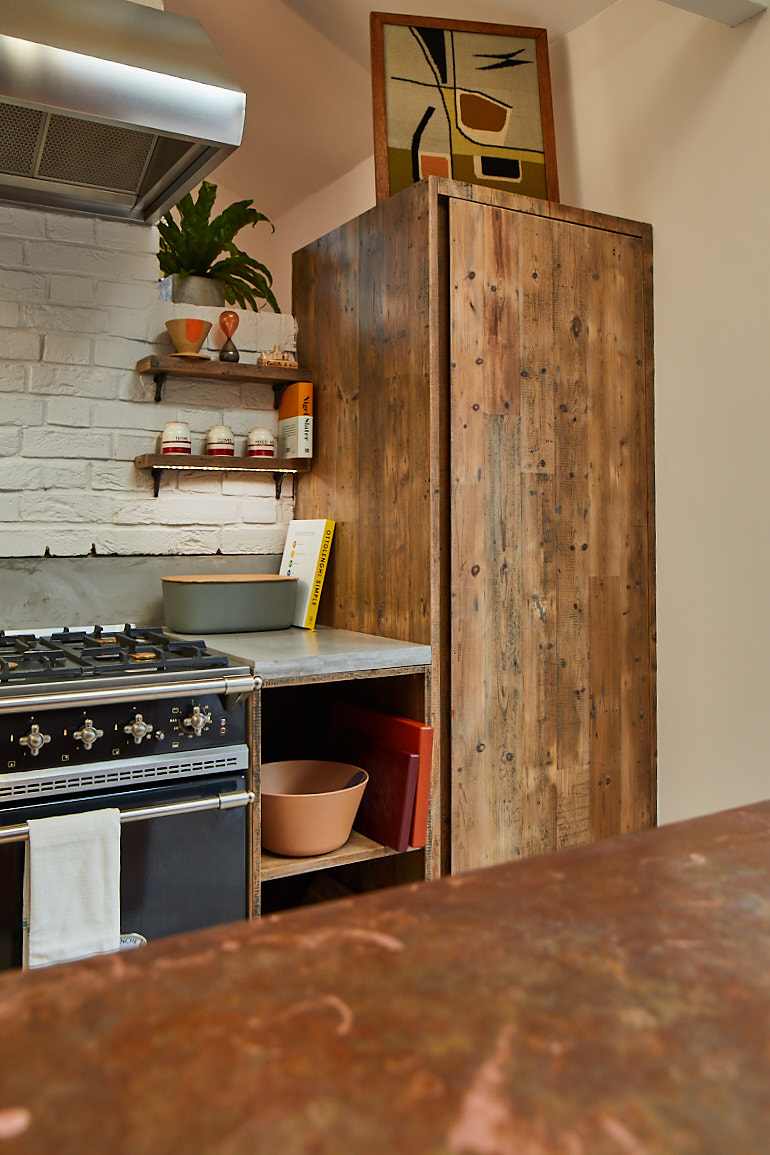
(306, 808)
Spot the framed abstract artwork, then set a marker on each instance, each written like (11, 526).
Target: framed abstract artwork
(464, 100)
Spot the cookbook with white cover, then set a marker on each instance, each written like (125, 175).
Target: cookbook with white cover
(305, 556)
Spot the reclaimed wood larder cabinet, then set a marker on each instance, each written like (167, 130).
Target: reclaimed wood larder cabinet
(484, 440)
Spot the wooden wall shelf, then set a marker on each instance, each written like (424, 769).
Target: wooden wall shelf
(278, 466)
(358, 848)
(162, 367)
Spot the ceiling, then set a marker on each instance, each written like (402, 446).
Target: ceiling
(304, 65)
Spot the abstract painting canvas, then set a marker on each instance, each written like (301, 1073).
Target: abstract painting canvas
(464, 100)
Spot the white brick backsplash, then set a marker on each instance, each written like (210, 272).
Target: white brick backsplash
(63, 475)
(10, 441)
(120, 475)
(79, 306)
(118, 352)
(64, 318)
(246, 539)
(59, 258)
(157, 539)
(9, 313)
(20, 222)
(71, 411)
(137, 267)
(118, 415)
(127, 446)
(22, 410)
(23, 541)
(76, 540)
(71, 290)
(129, 323)
(33, 540)
(138, 387)
(128, 237)
(67, 507)
(75, 381)
(12, 376)
(11, 253)
(19, 285)
(18, 346)
(211, 395)
(16, 474)
(9, 507)
(250, 485)
(258, 511)
(126, 294)
(75, 230)
(177, 509)
(194, 481)
(55, 443)
(69, 349)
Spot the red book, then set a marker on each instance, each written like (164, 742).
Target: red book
(385, 812)
(400, 734)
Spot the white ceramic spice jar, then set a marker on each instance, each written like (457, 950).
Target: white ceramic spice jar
(175, 438)
(260, 443)
(220, 441)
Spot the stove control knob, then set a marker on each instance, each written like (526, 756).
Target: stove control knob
(138, 729)
(34, 740)
(198, 721)
(88, 734)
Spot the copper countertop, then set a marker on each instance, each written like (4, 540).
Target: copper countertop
(609, 999)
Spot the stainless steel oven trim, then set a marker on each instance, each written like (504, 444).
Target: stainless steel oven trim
(19, 786)
(128, 692)
(20, 831)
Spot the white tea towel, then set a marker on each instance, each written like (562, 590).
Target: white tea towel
(72, 887)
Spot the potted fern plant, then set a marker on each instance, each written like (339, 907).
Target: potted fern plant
(196, 246)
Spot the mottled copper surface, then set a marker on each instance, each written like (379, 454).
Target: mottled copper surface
(609, 999)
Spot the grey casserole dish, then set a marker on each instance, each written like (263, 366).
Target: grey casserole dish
(228, 603)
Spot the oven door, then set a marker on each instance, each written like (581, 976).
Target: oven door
(179, 871)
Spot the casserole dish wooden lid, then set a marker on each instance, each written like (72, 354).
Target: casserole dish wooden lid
(229, 577)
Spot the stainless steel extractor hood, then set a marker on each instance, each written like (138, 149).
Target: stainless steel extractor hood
(110, 107)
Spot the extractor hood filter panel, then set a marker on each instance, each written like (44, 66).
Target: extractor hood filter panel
(121, 127)
(79, 152)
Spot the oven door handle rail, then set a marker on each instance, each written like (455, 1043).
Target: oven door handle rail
(20, 831)
(235, 684)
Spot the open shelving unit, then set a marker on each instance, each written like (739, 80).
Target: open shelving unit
(358, 848)
(278, 466)
(160, 368)
(203, 369)
(303, 675)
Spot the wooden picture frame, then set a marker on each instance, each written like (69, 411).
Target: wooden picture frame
(463, 99)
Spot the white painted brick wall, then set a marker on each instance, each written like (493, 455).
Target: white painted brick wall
(79, 306)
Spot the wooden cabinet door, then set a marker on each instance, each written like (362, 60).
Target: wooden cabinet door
(552, 598)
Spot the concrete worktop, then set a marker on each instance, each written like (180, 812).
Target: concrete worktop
(285, 655)
(609, 1000)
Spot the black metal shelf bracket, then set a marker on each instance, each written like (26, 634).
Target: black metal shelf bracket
(156, 476)
(160, 381)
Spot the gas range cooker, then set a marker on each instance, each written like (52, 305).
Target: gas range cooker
(111, 705)
(103, 658)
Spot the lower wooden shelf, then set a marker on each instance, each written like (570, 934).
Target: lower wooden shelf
(358, 848)
(278, 466)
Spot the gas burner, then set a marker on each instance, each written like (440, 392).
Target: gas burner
(98, 652)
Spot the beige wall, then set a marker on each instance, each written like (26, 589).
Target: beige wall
(662, 116)
(341, 201)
